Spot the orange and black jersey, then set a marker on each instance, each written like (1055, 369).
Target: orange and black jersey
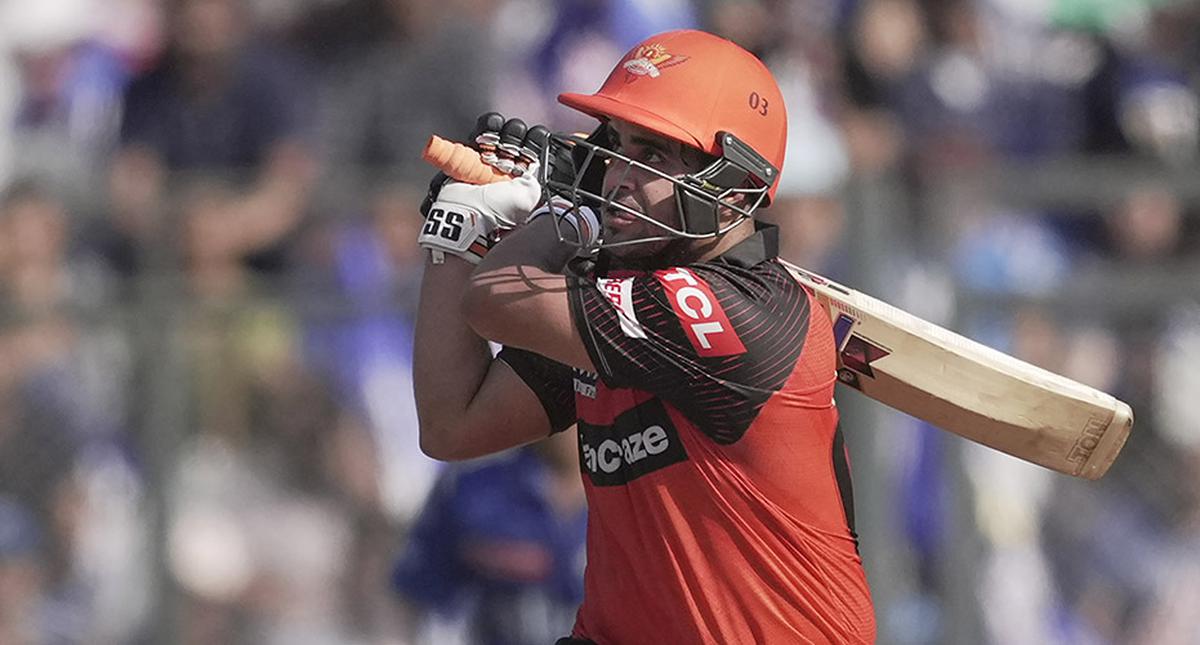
(718, 485)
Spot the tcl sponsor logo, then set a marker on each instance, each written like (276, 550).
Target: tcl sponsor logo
(703, 319)
(639, 441)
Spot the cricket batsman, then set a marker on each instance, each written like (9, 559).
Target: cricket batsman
(638, 300)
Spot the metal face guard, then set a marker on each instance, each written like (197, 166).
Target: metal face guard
(725, 185)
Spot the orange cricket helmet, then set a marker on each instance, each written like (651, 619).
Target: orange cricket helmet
(695, 87)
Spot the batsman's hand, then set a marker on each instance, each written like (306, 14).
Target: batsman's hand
(487, 124)
(509, 145)
(466, 220)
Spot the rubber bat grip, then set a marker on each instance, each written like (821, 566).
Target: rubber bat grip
(460, 162)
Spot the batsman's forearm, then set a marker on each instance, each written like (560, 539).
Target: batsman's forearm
(520, 297)
(504, 291)
(449, 359)
(535, 245)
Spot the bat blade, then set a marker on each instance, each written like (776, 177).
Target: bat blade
(969, 389)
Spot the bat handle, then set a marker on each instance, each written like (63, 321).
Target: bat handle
(460, 162)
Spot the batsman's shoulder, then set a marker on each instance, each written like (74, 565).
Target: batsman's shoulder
(763, 282)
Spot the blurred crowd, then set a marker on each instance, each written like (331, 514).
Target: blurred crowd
(208, 275)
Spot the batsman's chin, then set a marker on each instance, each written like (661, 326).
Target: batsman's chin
(634, 252)
(626, 240)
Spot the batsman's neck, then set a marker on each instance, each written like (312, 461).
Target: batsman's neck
(683, 251)
(708, 249)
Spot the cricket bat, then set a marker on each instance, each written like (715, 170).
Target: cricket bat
(943, 378)
(968, 388)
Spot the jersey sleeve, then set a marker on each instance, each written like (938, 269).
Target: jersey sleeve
(550, 380)
(714, 340)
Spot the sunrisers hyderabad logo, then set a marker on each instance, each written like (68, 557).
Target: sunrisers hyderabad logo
(649, 60)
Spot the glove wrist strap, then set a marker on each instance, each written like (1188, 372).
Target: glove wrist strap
(473, 254)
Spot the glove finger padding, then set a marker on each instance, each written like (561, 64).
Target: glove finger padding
(511, 146)
(508, 150)
(560, 166)
(486, 135)
(536, 140)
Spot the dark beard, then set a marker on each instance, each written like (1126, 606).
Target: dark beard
(677, 252)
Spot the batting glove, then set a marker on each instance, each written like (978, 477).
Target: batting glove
(466, 219)
(485, 135)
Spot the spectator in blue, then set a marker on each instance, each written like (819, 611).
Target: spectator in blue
(365, 344)
(62, 393)
(68, 95)
(499, 548)
(22, 571)
(584, 30)
(214, 103)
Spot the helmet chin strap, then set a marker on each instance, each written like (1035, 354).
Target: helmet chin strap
(738, 165)
(696, 214)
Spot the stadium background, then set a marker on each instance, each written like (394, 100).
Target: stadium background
(207, 279)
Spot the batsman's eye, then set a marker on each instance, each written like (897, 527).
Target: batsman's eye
(653, 157)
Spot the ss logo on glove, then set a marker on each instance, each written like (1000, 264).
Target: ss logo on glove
(444, 224)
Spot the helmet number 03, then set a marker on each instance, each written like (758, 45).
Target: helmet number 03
(758, 103)
(445, 224)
